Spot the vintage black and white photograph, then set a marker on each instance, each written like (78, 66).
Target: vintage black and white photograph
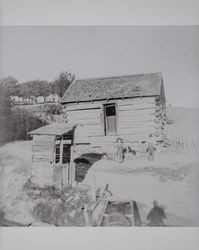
(99, 126)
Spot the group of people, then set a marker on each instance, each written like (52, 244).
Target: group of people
(150, 149)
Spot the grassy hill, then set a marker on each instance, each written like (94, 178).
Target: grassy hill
(185, 126)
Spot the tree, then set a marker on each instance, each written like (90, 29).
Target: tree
(14, 123)
(6, 89)
(61, 84)
(34, 88)
(9, 85)
(21, 123)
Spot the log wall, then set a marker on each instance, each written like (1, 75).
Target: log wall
(136, 119)
(89, 118)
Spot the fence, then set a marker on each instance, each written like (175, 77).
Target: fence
(184, 139)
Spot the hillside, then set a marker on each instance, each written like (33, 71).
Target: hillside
(48, 112)
(185, 126)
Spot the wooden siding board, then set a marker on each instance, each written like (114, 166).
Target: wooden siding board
(137, 101)
(73, 107)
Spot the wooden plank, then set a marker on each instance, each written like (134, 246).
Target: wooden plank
(81, 139)
(42, 144)
(123, 128)
(85, 111)
(144, 100)
(42, 155)
(84, 121)
(132, 122)
(76, 106)
(137, 107)
(84, 117)
(137, 130)
(88, 130)
(136, 112)
(141, 119)
(43, 138)
(136, 123)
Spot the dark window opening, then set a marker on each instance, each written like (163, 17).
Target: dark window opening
(66, 154)
(110, 110)
(68, 136)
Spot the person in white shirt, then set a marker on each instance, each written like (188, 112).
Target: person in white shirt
(151, 148)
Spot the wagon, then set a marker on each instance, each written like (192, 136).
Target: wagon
(118, 213)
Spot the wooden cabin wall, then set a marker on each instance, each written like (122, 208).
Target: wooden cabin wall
(136, 119)
(89, 118)
(42, 159)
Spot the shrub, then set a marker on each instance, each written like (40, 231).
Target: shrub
(60, 207)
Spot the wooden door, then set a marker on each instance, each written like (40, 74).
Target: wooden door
(110, 119)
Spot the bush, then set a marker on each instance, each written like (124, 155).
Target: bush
(60, 207)
(51, 212)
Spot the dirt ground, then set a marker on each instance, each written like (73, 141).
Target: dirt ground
(172, 179)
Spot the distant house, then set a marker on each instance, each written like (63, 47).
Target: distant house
(40, 99)
(101, 111)
(32, 100)
(53, 98)
(15, 99)
(23, 100)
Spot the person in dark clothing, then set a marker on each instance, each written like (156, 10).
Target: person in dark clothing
(156, 216)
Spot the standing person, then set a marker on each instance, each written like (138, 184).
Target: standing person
(156, 216)
(120, 152)
(151, 148)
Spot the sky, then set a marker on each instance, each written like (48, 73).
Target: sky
(42, 52)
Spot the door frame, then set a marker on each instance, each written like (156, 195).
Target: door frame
(105, 117)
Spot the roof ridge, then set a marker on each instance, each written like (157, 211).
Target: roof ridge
(116, 76)
(88, 88)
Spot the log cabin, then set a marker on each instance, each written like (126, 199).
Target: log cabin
(98, 112)
(125, 107)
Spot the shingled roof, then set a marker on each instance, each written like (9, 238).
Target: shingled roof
(53, 129)
(92, 89)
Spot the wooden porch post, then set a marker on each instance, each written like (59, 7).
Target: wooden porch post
(65, 174)
(71, 168)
